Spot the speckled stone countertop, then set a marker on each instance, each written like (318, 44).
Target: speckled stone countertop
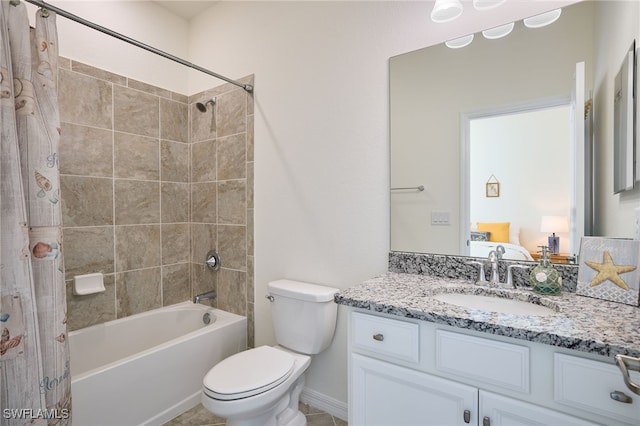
(578, 322)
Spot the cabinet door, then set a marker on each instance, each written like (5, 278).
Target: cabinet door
(497, 410)
(385, 394)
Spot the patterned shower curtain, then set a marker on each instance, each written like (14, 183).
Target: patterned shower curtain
(35, 380)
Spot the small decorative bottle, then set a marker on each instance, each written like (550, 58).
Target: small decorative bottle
(544, 278)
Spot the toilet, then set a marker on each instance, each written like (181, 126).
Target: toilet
(262, 386)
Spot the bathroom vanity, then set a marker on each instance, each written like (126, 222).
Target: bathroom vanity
(422, 353)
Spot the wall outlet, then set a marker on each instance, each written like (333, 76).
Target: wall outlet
(637, 224)
(440, 218)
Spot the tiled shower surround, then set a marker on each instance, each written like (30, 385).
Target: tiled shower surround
(149, 186)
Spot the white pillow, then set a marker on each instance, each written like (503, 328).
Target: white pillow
(514, 235)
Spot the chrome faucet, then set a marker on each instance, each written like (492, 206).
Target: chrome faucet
(510, 281)
(495, 256)
(495, 276)
(205, 296)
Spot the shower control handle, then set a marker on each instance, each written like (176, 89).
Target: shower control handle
(212, 261)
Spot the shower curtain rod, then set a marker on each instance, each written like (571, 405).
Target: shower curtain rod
(68, 15)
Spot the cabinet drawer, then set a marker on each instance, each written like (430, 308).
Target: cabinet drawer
(394, 338)
(587, 385)
(489, 361)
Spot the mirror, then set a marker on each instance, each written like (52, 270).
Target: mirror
(435, 90)
(623, 131)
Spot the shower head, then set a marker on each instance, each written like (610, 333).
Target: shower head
(202, 107)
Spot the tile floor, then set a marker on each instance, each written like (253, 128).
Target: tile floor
(199, 416)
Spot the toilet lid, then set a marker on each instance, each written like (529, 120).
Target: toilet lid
(248, 373)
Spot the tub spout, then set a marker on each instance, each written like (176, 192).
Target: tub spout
(205, 296)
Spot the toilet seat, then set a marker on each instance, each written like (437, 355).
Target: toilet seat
(248, 373)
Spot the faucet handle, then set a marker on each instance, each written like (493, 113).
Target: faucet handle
(481, 277)
(510, 282)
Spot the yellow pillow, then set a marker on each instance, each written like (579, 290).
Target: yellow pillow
(499, 231)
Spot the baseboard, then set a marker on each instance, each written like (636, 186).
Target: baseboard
(325, 403)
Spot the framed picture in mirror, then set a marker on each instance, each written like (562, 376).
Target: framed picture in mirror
(492, 187)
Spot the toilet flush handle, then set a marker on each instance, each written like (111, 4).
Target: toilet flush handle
(269, 298)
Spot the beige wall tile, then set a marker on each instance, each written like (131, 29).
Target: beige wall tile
(136, 202)
(98, 73)
(180, 98)
(250, 181)
(203, 202)
(137, 247)
(250, 232)
(250, 280)
(250, 139)
(204, 237)
(174, 160)
(86, 201)
(91, 309)
(251, 329)
(176, 285)
(88, 250)
(232, 246)
(86, 151)
(231, 108)
(135, 112)
(203, 161)
(232, 157)
(203, 124)
(173, 120)
(138, 291)
(148, 88)
(85, 100)
(232, 202)
(175, 202)
(136, 157)
(232, 290)
(175, 243)
(64, 63)
(180, 243)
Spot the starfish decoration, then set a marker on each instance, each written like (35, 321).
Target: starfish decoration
(607, 270)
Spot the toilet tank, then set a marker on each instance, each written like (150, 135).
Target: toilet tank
(304, 315)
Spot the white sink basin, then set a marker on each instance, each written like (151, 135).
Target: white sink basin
(493, 304)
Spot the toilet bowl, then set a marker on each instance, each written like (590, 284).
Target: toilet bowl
(255, 386)
(262, 386)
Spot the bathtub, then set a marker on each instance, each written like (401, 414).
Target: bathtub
(148, 368)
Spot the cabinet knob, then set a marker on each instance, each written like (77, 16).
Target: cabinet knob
(466, 416)
(486, 421)
(379, 337)
(621, 397)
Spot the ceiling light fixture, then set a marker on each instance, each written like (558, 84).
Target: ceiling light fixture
(543, 19)
(487, 4)
(498, 32)
(459, 42)
(446, 10)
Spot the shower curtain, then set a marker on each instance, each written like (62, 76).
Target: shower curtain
(35, 380)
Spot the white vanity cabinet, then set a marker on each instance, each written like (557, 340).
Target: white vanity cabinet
(385, 394)
(408, 372)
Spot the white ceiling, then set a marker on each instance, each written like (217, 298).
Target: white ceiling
(186, 9)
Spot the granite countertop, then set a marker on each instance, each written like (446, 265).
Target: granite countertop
(579, 323)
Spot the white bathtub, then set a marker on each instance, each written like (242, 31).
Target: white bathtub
(148, 368)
